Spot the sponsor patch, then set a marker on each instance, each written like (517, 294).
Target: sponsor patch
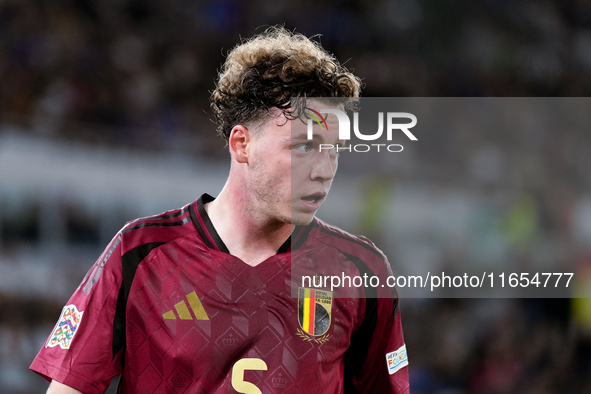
(66, 328)
(396, 360)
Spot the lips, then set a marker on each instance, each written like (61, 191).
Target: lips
(312, 201)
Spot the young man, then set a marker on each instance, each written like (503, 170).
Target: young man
(199, 299)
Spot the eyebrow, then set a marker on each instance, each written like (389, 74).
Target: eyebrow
(304, 136)
(317, 138)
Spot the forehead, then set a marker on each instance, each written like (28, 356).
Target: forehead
(318, 105)
(278, 125)
(323, 124)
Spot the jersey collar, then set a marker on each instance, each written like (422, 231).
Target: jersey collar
(211, 237)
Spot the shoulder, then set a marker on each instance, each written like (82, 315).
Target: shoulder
(333, 235)
(357, 248)
(136, 240)
(156, 229)
(328, 241)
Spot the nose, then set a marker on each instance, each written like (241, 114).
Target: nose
(324, 167)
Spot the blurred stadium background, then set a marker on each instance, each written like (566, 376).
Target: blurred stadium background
(104, 117)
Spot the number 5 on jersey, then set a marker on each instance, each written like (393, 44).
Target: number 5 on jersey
(244, 364)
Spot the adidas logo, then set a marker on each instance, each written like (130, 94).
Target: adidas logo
(183, 311)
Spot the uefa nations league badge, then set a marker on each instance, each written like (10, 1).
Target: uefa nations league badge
(396, 360)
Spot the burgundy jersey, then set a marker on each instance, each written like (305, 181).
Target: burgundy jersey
(168, 308)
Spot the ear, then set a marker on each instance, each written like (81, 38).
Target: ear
(238, 143)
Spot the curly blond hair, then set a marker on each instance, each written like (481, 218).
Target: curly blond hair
(269, 69)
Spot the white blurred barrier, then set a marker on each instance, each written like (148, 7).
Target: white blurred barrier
(103, 181)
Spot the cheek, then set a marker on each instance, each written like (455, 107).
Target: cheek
(299, 174)
(272, 179)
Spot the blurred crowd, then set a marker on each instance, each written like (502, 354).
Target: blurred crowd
(497, 346)
(137, 74)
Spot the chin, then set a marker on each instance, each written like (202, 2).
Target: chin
(302, 219)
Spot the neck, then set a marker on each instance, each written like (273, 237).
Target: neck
(247, 234)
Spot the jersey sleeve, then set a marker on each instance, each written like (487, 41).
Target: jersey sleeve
(83, 350)
(377, 360)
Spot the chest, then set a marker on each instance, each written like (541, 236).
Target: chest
(191, 323)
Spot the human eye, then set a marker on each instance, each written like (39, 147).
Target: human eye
(303, 148)
(336, 150)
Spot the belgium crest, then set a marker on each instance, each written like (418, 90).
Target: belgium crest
(314, 310)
